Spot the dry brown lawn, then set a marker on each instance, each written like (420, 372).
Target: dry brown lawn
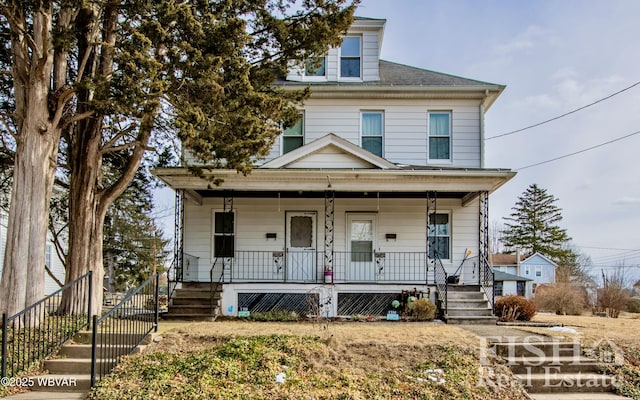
(623, 330)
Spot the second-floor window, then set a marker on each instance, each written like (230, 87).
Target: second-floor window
(350, 57)
(440, 136)
(293, 137)
(372, 127)
(316, 67)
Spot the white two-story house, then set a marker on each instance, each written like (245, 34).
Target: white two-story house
(381, 187)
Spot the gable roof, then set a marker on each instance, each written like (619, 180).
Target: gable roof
(529, 259)
(330, 151)
(505, 276)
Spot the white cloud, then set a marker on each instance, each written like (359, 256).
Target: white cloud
(525, 40)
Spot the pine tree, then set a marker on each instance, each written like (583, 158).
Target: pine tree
(532, 226)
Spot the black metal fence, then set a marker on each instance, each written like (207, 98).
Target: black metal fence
(40, 329)
(124, 327)
(307, 267)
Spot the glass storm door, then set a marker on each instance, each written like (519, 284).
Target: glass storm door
(360, 245)
(301, 246)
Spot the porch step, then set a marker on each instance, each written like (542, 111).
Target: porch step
(193, 302)
(84, 337)
(190, 317)
(467, 304)
(469, 311)
(471, 320)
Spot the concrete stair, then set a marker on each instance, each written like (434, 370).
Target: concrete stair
(555, 367)
(467, 304)
(193, 302)
(71, 370)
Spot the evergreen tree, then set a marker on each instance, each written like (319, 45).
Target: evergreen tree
(133, 243)
(532, 226)
(110, 77)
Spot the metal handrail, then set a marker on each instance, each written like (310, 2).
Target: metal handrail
(487, 278)
(440, 277)
(39, 330)
(123, 328)
(213, 288)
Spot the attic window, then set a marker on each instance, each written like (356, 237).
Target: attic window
(350, 56)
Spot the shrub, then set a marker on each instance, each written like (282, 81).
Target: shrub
(514, 308)
(634, 305)
(561, 298)
(614, 296)
(422, 309)
(275, 315)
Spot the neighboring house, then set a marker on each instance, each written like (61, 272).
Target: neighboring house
(528, 271)
(507, 284)
(380, 187)
(51, 258)
(540, 269)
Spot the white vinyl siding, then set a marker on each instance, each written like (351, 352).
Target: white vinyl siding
(405, 126)
(256, 217)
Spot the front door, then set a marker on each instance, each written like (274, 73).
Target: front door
(360, 246)
(301, 245)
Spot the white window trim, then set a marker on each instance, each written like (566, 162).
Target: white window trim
(384, 120)
(527, 270)
(347, 78)
(304, 137)
(440, 161)
(450, 214)
(213, 230)
(538, 270)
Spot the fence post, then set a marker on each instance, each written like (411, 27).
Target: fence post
(94, 340)
(157, 300)
(90, 300)
(4, 345)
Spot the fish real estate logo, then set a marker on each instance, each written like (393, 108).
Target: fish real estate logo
(547, 362)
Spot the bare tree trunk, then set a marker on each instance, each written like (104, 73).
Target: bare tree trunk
(34, 165)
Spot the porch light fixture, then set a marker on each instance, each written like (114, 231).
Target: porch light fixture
(391, 236)
(271, 235)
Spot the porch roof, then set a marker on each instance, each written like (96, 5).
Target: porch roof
(447, 182)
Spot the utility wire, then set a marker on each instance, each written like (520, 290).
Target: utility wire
(565, 114)
(578, 152)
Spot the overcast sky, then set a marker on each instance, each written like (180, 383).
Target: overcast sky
(553, 56)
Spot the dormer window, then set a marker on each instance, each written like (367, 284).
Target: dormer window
(350, 57)
(316, 67)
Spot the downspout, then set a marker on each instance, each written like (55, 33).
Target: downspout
(486, 93)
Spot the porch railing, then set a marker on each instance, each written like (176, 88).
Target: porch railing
(42, 328)
(306, 266)
(487, 277)
(120, 331)
(441, 279)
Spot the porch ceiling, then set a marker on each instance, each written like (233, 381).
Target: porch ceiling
(457, 183)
